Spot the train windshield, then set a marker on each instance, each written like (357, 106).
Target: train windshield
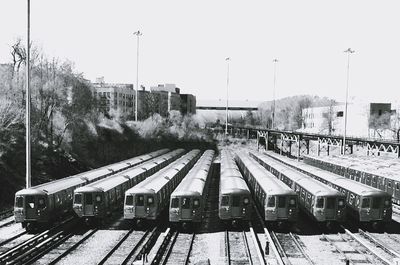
(235, 201)
(376, 203)
(292, 202)
(387, 202)
(271, 202)
(225, 201)
(365, 203)
(246, 201)
(196, 203)
(78, 199)
(330, 203)
(129, 200)
(88, 199)
(139, 200)
(150, 200)
(186, 203)
(341, 203)
(175, 203)
(281, 202)
(19, 202)
(41, 203)
(30, 202)
(320, 203)
(98, 198)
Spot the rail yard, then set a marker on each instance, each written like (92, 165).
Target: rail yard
(239, 205)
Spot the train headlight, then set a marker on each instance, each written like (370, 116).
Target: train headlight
(194, 211)
(244, 211)
(384, 212)
(147, 210)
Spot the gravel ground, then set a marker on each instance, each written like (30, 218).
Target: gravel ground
(7, 220)
(9, 231)
(392, 241)
(95, 248)
(320, 251)
(180, 249)
(375, 248)
(209, 247)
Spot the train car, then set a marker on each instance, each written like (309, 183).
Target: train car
(278, 202)
(145, 201)
(95, 201)
(365, 204)
(44, 203)
(322, 203)
(234, 203)
(385, 180)
(188, 199)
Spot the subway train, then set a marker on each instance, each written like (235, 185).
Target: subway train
(97, 200)
(145, 201)
(365, 204)
(322, 203)
(234, 204)
(188, 199)
(386, 180)
(277, 202)
(46, 202)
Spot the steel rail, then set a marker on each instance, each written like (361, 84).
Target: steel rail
(109, 254)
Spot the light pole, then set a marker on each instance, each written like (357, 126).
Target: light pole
(138, 34)
(28, 100)
(227, 86)
(348, 51)
(275, 61)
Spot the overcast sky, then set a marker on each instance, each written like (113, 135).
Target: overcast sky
(186, 42)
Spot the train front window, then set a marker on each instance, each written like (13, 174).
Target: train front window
(292, 202)
(320, 203)
(387, 202)
(129, 200)
(246, 201)
(30, 202)
(98, 198)
(330, 203)
(196, 203)
(88, 199)
(139, 200)
(186, 203)
(281, 202)
(19, 202)
(376, 203)
(341, 203)
(271, 202)
(365, 203)
(41, 203)
(175, 203)
(150, 200)
(78, 199)
(225, 201)
(235, 201)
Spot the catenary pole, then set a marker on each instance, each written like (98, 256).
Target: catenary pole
(28, 101)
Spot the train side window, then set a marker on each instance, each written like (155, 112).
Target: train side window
(320, 203)
(389, 184)
(225, 201)
(196, 203)
(235, 201)
(139, 200)
(351, 199)
(88, 199)
(365, 203)
(150, 200)
(30, 202)
(129, 200)
(397, 186)
(78, 199)
(281, 202)
(271, 201)
(19, 202)
(185, 203)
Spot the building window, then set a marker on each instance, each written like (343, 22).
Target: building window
(339, 114)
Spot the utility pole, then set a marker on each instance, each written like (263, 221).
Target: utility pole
(275, 61)
(227, 87)
(28, 101)
(348, 51)
(138, 34)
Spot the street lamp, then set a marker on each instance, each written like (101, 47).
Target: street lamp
(138, 34)
(275, 61)
(349, 51)
(227, 86)
(28, 100)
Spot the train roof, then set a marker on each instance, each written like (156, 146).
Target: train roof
(231, 180)
(308, 183)
(194, 182)
(158, 180)
(350, 185)
(53, 186)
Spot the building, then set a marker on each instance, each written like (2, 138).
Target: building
(188, 104)
(115, 97)
(365, 119)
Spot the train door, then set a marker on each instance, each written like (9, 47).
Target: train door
(330, 208)
(281, 210)
(186, 207)
(139, 205)
(30, 207)
(88, 204)
(376, 208)
(235, 205)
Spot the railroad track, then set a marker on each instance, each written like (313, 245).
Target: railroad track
(35, 247)
(235, 253)
(354, 250)
(6, 213)
(391, 254)
(8, 240)
(290, 249)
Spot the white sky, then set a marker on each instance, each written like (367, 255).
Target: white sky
(186, 42)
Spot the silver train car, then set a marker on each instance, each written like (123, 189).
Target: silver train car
(44, 203)
(322, 203)
(278, 203)
(97, 200)
(188, 199)
(234, 196)
(149, 198)
(364, 203)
